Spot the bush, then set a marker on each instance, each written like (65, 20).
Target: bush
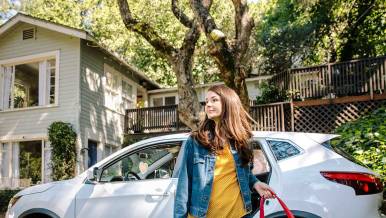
(270, 94)
(63, 141)
(365, 140)
(5, 197)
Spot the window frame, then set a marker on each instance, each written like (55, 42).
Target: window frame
(301, 150)
(144, 147)
(40, 57)
(163, 97)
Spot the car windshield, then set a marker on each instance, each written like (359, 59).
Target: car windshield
(331, 145)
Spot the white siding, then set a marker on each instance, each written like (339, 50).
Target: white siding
(36, 121)
(252, 86)
(98, 122)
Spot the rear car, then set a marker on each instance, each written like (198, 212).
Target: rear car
(313, 178)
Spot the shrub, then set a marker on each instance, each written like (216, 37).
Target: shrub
(270, 94)
(365, 140)
(63, 157)
(5, 197)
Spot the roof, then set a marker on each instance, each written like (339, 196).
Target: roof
(79, 33)
(174, 89)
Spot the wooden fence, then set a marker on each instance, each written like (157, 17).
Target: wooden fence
(322, 115)
(270, 117)
(355, 77)
(152, 119)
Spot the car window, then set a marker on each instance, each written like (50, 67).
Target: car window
(282, 149)
(153, 162)
(260, 162)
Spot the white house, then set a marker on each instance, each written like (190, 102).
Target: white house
(50, 72)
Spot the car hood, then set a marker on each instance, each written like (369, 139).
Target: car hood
(37, 188)
(46, 186)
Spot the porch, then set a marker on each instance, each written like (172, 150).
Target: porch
(323, 97)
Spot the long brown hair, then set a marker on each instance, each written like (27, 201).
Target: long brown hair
(234, 126)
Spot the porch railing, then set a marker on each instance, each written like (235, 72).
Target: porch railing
(355, 77)
(165, 118)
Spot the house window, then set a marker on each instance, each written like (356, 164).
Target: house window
(51, 68)
(158, 102)
(127, 95)
(111, 81)
(171, 100)
(163, 101)
(127, 89)
(109, 149)
(30, 161)
(25, 89)
(127, 104)
(28, 84)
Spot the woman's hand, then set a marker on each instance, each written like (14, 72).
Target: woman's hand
(264, 190)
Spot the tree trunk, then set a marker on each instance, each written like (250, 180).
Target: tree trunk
(181, 59)
(229, 55)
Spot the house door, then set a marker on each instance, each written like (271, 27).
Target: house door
(92, 153)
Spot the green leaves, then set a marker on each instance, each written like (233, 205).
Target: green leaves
(271, 94)
(63, 140)
(365, 139)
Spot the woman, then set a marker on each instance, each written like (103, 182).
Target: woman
(215, 178)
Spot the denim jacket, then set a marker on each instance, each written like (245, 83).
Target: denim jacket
(195, 180)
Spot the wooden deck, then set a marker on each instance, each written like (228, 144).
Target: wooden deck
(330, 95)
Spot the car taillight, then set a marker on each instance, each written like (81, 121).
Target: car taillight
(362, 183)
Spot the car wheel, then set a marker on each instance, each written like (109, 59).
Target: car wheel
(37, 215)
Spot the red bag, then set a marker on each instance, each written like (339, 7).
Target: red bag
(285, 208)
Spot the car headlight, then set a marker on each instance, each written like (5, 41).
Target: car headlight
(13, 201)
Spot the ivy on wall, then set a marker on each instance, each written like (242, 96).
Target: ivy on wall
(63, 157)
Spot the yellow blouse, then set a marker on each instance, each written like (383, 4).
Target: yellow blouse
(225, 199)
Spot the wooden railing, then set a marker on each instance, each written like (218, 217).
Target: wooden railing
(356, 77)
(270, 117)
(165, 118)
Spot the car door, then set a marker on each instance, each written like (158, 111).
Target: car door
(137, 184)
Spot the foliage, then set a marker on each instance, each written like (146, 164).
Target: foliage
(298, 33)
(30, 166)
(102, 19)
(271, 93)
(5, 197)
(63, 140)
(365, 139)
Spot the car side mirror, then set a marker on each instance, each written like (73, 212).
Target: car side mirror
(93, 175)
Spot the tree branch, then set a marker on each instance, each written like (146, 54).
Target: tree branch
(201, 10)
(145, 30)
(243, 24)
(190, 40)
(185, 20)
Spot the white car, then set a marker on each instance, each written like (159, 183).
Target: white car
(309, 175)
